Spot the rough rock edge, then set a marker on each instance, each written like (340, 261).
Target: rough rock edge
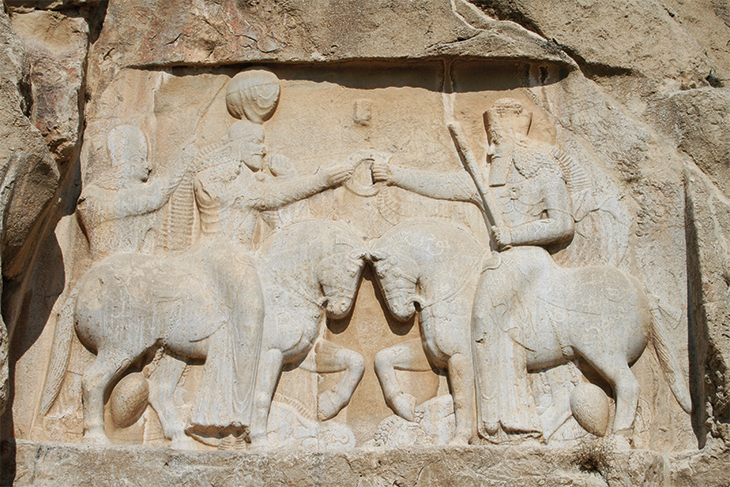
(29, 179)
(40, 464)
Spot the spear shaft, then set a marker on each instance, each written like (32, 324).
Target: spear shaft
(491, 212)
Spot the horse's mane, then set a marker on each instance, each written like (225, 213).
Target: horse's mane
(459, 237)
(308, 245)
(323, 231)
(321, 242)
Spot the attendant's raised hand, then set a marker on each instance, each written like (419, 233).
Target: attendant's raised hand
(382, 173)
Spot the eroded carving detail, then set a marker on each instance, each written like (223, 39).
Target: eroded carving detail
(243, 296)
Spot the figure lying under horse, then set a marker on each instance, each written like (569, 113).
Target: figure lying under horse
(600, 314)
(130, 304)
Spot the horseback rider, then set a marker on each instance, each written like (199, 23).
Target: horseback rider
(528, 188)
(231, 195)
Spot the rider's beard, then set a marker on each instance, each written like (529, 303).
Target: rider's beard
(501, 165)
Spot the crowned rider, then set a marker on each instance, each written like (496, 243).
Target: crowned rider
(530, 192)
(231, 193)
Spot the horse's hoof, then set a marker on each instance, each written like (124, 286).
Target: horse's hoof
(326, 407)
(404, 405)
(183, 442)
(459, 442)
(620, 440)
(96, 438)
(262, 443)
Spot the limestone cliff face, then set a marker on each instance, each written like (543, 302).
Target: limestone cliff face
(29, 175)
(636, 87)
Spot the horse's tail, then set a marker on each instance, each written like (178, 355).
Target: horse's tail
(667, 359)
(60, 353)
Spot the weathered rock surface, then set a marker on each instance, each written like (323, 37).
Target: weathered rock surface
(699, 122)
(207, 33)
(645, 114)
(29, 173)
(55, 464)
(56, 46)
(707, 468)
(609, 38)
(30, 5)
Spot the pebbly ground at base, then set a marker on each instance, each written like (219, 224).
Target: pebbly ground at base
(26, 463)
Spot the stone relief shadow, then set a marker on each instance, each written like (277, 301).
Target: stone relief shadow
(398, 328)
(696, 333)
(35, 301)
(467, 75)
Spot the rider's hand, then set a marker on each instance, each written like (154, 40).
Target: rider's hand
(503, 236)
(338, 174)
(382, 173)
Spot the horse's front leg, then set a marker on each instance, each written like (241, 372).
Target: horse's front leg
(404, 356)
(331, 358)
(270, 365)
(163, 381)
(461, 376)
(102, 371)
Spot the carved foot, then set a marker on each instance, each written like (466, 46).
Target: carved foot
(492, 432)
(490, 429)
(328, 405)
(404, 405)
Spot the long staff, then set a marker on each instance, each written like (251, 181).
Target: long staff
(491, 212)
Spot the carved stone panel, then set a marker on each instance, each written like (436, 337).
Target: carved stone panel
(355, 255)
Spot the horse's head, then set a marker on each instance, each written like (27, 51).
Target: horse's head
(339, 275)
(398, 286)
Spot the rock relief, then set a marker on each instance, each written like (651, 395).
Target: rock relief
(516, 309)
(220, 292)
(207, 303)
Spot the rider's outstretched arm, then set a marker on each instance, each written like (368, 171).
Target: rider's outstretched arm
(280, 193)
(276, 195)
(453, 186)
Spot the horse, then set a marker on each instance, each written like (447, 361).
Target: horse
(131, 304)
(428, 266)
(294, 314)
(597, 313)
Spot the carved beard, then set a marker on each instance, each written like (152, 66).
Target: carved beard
(499, 171)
